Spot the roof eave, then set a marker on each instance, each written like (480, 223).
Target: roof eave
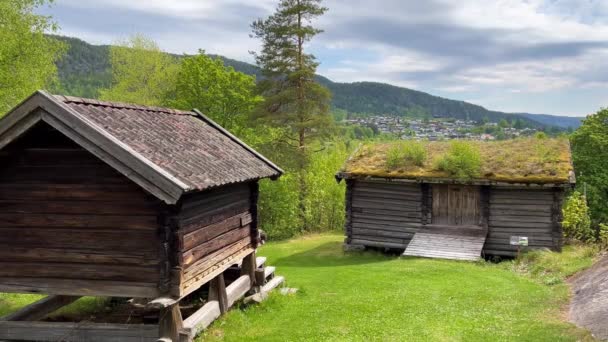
(94, 139)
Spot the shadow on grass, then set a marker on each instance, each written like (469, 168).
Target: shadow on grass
(331, 254)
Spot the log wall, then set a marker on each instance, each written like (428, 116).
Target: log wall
(383, 214)
(70, 224)
(214, 229)
(535, 213)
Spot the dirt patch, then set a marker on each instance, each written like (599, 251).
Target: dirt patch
(589, 306)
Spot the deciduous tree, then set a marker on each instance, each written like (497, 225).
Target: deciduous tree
(590, 156)
(220, 92)
(141, 73)
(27, 55)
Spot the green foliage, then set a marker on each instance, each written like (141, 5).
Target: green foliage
(463, 160)
(603, 236)
(576, 223)
(540, 135)
(27, 55)
(406, 154)
(590, 157)
(324, 200)
(141, 73)
(218, 91)
(553, 268)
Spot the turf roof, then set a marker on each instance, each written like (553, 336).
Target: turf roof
(523, 160)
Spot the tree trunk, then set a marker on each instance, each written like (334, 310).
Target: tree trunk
(303, 189)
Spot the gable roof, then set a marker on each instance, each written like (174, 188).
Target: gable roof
(166, 151)
(528, 161)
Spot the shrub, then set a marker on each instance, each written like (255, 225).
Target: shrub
(463, 160)
(576, 222)
(603, 236)
(402, 154)
(540, 135)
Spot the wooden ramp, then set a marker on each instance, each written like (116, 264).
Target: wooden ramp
(461, 243)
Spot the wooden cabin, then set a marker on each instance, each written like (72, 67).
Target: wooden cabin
(110, 199)
(513, 203)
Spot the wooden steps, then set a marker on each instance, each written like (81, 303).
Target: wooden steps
(447, 244)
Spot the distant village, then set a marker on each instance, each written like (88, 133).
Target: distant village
(440, 129)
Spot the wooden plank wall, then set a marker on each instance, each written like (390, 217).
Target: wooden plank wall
(214, 228)
(65, 216)
(534, 213)
(384, 214)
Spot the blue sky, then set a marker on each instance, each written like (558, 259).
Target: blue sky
(539, 56)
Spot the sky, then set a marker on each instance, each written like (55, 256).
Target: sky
(537, 56)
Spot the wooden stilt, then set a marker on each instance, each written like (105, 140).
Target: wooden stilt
(170, 323)
(248, 268)
(217, 292)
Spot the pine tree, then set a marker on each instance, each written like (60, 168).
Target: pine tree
(293, 98)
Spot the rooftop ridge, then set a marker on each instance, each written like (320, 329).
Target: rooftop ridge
(120, 105)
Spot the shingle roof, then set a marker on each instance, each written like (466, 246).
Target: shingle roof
(166, 151)
(187, 145)
(522, 160)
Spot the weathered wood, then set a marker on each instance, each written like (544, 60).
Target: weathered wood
(238, 289)
(248, 268)
(127, 222)
(77, 332)
(382, 244)
(40, 309)
(452, 246)
(78, 287)
(382, 233)
(125, 273)
(84, 256)
(273, 283)
(206, 233)
(199, 321)
(170, 323)
(456, 204)
(116, 156)
(213, 245)
(217, 292)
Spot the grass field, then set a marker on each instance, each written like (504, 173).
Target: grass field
(371, 296)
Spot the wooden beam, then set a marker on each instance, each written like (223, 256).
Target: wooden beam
(40, 309)
(238, 289)
(170, 323)
(73, 287)
(200, 320)
(76, 332)
(217, 292)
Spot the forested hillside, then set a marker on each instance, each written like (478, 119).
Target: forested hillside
(85, 69)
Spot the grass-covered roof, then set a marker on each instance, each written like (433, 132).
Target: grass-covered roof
(524, 160)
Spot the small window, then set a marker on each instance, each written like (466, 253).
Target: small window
(456, 205)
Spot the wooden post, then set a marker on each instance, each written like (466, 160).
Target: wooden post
(217, 292)
(248, 268)
(170, 323)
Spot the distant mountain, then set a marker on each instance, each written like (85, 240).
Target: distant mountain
(555, 120)
(86, 68)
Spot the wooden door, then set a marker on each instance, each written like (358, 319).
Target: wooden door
(456, 205)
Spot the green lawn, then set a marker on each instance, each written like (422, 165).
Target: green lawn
(370, 296)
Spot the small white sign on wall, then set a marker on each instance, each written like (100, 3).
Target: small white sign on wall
(519, 241)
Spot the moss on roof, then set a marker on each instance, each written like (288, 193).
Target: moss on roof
(523, 160)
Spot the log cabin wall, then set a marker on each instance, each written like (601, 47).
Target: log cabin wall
(215, 229)
(70, 224)
(534, 213)
(384, 214)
